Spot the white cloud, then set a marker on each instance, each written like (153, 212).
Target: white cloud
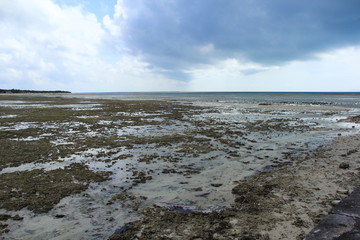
(42, 42)
(126, 74)
(47, 46)
(331, 71)
(113, 23)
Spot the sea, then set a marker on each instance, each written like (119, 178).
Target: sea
(339, 99)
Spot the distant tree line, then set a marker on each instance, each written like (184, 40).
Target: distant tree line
(29, 91)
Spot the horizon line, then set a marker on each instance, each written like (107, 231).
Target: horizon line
(192, 92)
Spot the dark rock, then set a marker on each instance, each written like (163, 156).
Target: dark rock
(168, 171)
(3, 228)
(331, 227)
(350, 205)
(216, 184)
(343, 223)
(202, 195)
(4, 217)
(344, 165)
(17, 218)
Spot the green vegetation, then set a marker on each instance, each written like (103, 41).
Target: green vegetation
(30, 91)
(40, 190)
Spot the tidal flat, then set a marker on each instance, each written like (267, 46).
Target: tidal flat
(80, 168)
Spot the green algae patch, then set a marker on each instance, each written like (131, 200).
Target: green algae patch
(15, 153)
(40, 190)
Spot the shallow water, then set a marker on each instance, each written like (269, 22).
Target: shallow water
(251, 138)
(300, 98)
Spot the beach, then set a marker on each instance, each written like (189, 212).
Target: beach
(177, 167)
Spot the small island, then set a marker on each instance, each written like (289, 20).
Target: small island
(30, 91)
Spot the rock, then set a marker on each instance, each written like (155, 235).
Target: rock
(17, 218)
(3, 228)
(168, 171)
(119, 196)
(344, 165)
(4, 217)
(343, 191)
(331, 227)
(216, 184)
(342, 222)
(59, 215)
(335, 202)
(203, 195)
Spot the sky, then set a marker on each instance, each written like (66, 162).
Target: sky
(180, 45)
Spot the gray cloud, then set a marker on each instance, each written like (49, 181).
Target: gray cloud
(176, 35)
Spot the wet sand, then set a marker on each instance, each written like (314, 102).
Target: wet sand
(282, 204)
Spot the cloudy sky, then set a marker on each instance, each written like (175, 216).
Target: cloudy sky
(180, 45)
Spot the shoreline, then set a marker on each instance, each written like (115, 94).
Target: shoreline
(282, 204)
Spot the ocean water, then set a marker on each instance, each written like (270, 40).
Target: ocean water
(341, 99)
(266, 131)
